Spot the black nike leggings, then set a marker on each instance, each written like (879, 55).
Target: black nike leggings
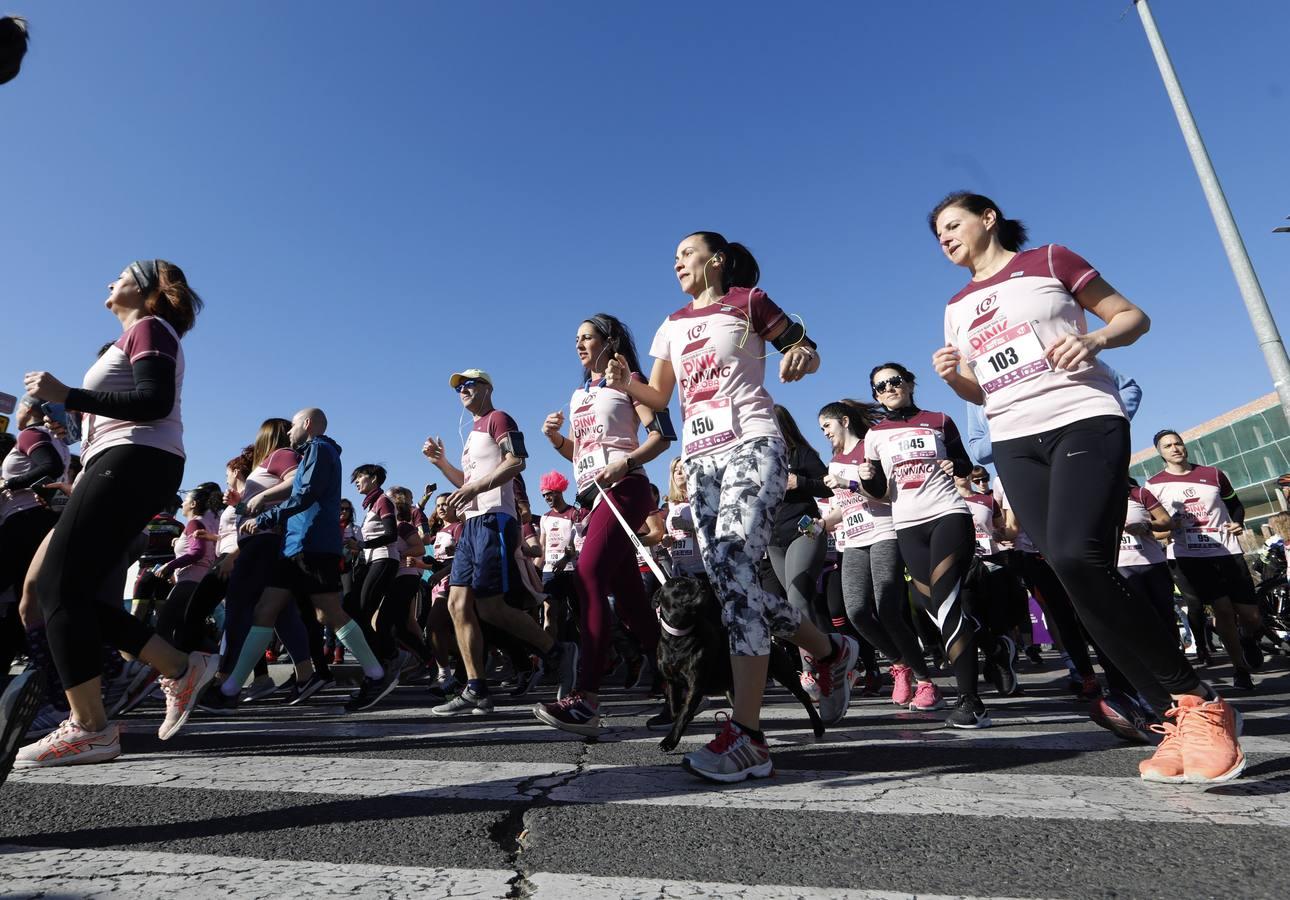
(392, 620)
(938, 554)
(1069, 488)
(117, 494)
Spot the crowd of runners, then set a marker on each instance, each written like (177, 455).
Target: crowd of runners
(898, 548)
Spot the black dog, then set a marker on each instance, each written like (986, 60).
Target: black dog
(694, 656)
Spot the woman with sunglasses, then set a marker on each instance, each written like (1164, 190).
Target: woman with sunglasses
(912, 457)
(607, 455)
(1017, 342)
(872, 573)
(714, 349)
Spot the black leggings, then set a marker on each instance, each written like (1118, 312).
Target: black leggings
(938, 554)
(392, 620)
(116, 496)
(1069, 487)
(377, 582)
(182, 620)
(20, 538)
(1059, 611)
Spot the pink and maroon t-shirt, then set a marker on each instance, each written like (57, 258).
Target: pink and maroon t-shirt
(17, 463)
(408, 536)
(984, 509)
(271, 472)
(493, 436)
(1002, 328)
(604, 425)
(376, 507)
(190, 543)
(558, 532)
(1135, 550)
(718, 354)
(865, 521)
(1198, 497)
(910, 452)
(150, 336)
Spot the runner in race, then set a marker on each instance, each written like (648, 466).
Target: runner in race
(1204, 554)
(1017, 341)
(309, 562)
(607, 455)
(561, 532)
(134, 459)
(484, 583)
(872, 574)
(380, 559)
(911, 456)
(714, 349)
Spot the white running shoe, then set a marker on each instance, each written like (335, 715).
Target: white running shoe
(71, 745)
(182, 692)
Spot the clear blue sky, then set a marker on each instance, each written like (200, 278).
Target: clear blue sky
(371, 196)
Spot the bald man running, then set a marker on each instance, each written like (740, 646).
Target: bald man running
(310, 563)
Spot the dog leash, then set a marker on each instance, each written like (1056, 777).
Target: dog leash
(636, 541)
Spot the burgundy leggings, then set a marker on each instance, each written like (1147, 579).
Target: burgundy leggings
(607, 565)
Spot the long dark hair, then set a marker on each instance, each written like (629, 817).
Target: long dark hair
(738, 266)
(617, 338)
(793, 436)
(860, 416)
(1012, 233)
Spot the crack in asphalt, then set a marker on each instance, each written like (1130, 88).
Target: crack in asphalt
(510, 832)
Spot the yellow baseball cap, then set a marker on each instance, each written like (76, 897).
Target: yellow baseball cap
(468, 375)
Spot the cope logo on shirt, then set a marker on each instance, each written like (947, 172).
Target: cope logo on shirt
(987, 304)
(696, 332)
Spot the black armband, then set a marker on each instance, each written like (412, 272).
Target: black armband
(793, 336)
(513, 444)
(662, 425)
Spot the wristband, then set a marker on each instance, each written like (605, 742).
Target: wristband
(854, 487)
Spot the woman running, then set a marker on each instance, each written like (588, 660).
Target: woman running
(607, 455)
(134, 459)
(912, 456)
(797, 557)
(394, 617)
(1017, 342)
(194, 558)
(714, 348)
(381, 563)
(872, 572)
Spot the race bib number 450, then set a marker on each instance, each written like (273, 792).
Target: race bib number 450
(708, 424)
(1009, 357)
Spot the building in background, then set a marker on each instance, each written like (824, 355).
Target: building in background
(1251, 444)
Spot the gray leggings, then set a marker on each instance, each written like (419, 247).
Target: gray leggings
(798, 568)
(873, 589)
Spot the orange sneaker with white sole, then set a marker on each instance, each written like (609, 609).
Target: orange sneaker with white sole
(1211, 749)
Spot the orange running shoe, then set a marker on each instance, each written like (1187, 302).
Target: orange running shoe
(1211, 751)
(1166, 764)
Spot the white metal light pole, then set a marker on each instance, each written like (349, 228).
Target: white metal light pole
(1265, 327)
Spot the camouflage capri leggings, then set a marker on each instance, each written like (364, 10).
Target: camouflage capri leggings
(733, 496)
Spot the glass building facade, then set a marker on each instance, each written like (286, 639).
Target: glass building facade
(1251, 445)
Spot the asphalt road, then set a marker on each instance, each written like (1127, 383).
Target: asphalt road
(311, 802)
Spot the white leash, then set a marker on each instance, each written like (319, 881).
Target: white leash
(636, 541)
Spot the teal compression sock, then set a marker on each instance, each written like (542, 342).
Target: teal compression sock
(352, 637)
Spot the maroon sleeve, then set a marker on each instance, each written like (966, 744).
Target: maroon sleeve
(282, 461)
(764, 314)
(1068, 267)
(31, 438)
(1225, 489)
(503, 430)
(1148, 499)
(149, 337)
(383, 507)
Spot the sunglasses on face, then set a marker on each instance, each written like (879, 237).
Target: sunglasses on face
(980, 480)
(467, 385)
(893, 382)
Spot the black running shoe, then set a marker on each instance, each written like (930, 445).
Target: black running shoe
(1242, 681)
(372, 690)
(303, 692)
(18, 706)
(213, 700)
(969, 712)
(1253, 652)
(1035, 655)
(999, 670)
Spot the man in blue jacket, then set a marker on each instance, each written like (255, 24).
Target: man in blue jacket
(309, 567)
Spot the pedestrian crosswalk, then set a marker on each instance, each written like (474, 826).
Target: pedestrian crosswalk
(289, 802)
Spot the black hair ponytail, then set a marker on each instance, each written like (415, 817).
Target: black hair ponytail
(738, 266)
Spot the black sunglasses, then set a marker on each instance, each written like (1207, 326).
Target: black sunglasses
(894, 381)
(468, 383)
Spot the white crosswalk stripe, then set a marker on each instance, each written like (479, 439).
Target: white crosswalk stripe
(294, 802)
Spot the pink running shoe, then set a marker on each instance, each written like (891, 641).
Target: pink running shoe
(902, 691)
(182, 692)
(71, 745)
(812, 689)
(927, 697)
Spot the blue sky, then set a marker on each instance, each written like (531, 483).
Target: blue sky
(370, 197)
